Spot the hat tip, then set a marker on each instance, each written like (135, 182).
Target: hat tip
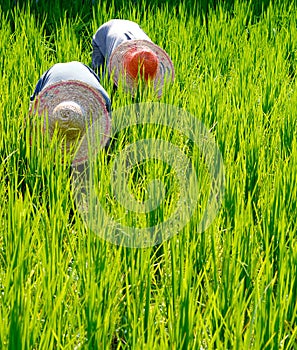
(69, 115)
(143, 62)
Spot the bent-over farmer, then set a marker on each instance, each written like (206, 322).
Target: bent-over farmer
(123, 49)
(70, 97)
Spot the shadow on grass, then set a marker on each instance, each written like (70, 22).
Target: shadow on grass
(55, 10)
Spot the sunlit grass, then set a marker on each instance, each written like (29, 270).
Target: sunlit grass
(231, 287)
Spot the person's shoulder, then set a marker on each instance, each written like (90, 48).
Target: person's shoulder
(72, 65)
(107, 24)
(61, 65)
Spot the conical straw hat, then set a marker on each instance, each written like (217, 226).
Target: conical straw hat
(125, 52)
(72, 106)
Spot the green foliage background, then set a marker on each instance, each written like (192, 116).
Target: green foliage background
(233, 286)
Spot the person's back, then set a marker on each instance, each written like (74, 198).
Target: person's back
(109, 36)
(70, 71)
(123, 49)
(70, 98)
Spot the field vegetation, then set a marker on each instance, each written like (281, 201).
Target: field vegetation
(233, 286)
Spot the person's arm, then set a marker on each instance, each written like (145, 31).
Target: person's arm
(99, 50)
(98, 60)
(38, 88)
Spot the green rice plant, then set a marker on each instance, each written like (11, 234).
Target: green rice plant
(232, 286)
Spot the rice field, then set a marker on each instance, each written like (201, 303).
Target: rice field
(232, 285)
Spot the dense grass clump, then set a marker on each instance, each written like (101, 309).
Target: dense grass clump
(233, 286)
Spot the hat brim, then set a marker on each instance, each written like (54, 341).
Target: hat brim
(116, 67)
(90, 99)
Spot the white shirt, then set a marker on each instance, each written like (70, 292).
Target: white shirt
(109, 36)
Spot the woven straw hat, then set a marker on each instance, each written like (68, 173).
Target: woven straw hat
(72, 106)
(143, 57)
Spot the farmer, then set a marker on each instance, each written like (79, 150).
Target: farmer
(70, 97)
(125, 50)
